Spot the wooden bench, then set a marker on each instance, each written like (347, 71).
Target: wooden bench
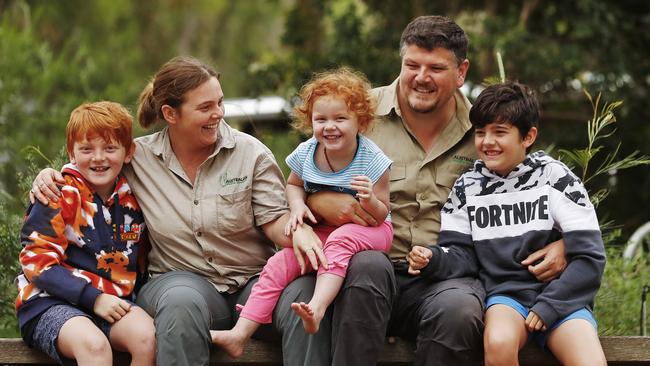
(619, 351)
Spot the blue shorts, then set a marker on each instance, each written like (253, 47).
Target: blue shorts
(541, 337)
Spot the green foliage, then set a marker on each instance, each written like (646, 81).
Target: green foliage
(282, 144)
(9, 249)
(599, 128)
(618, 303)
(10, 246)
(57, 54)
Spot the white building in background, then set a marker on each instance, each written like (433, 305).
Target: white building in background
(242, 112)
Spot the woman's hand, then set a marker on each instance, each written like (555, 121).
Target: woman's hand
(418, 258)
(44, 187)
(307, 244)
(111, 308)
(553, 261)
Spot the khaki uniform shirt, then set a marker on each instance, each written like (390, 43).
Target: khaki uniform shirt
(419, 182)
(210, 228)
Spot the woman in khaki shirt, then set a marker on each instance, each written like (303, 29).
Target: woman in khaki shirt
(214, 206)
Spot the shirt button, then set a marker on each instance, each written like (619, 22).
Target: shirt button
(196, 202)
(198, 233)
(210, 259)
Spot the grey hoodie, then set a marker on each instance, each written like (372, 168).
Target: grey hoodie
(491, 223)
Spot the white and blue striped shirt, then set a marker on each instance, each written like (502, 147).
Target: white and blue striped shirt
(369, 161)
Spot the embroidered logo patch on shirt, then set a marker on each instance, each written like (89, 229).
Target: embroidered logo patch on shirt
(462, 160)
(225, 181)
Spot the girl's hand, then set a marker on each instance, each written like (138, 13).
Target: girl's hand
(418, 258)
(110, 308)
(298, 213)
(363, 186)
(534, 323)
(307, 244)
(44, 187)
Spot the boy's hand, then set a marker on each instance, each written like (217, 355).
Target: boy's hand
(418, 258)
(110, 308)
(534, 323)
(363, 186)
(298, 213)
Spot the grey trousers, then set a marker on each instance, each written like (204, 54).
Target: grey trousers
(445, 319)
(186, 306)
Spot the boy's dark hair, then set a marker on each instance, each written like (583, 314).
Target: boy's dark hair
(432, 31)
(509, 102)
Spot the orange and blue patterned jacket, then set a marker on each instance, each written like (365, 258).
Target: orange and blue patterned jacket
(79, 247)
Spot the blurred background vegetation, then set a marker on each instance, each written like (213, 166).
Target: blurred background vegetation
(55, 55)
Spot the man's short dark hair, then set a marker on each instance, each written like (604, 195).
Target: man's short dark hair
(432, 31)
(509, 102)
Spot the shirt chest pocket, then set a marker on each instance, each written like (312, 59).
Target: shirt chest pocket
(234, 212)
(397, 177)
(446, 177)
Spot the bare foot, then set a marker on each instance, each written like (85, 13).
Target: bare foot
(310, 320)
(230, 341)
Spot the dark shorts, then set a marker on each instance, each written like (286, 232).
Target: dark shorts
(49, 325)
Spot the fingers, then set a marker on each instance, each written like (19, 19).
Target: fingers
(413, 271)
(311, 217)
(311, 257)
(362, 185)
(322, 258)
(542, 273)
(365, 216)
(300, 259)
(534, 322)
(534, 257)
(359, 220)
(46, 181)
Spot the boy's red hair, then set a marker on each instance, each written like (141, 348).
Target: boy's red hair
(351, 86)
(108, 120)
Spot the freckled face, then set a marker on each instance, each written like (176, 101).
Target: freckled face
(99, 162)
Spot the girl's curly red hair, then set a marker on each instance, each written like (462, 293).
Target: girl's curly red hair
(351, 86)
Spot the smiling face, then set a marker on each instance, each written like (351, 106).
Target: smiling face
(100, 161)
(335, 127)
(501, 146)
(196, 123)
(428, 79)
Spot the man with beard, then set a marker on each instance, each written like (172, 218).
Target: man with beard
(423, 126)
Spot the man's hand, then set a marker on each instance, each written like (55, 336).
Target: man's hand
(44, 187)
(337, 209)
(111, 308)
(418, 258)
(307, 244)
(534, 323)
(552, 264)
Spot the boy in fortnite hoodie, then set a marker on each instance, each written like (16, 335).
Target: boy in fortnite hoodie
(505, 208)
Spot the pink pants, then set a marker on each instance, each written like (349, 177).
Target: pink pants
(340, 244)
